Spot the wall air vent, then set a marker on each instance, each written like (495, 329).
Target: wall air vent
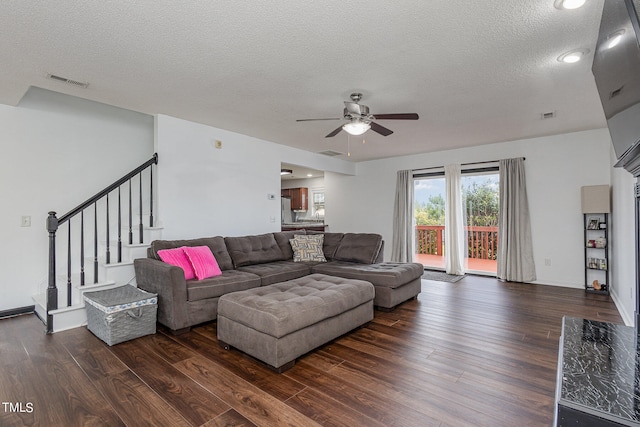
(549, 115)
(330, 153)
(68, 81)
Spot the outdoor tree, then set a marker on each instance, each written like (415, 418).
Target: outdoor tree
(481, 203)
(480, 200)
(431, 212)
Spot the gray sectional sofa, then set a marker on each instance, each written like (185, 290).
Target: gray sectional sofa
(248, 262)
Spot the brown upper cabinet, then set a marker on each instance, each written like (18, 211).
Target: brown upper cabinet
(299, 198)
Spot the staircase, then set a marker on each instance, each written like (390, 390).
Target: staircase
(93, 246)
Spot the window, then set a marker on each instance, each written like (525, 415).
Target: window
(317, 203)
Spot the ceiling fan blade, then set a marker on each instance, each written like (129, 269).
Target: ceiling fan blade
(334, 133)
(399, 116)
(380, 129)
(352, 107)
(312, 120)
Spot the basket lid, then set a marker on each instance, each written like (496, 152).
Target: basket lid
(118, 296)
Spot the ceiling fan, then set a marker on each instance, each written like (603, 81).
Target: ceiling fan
(360, 120)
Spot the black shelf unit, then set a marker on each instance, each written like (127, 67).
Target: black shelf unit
(596, 253)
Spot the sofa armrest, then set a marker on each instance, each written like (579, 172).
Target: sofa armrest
(168, 282)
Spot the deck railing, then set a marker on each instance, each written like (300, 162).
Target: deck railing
(482, 242)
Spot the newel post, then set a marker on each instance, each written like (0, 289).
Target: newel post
(52, 291)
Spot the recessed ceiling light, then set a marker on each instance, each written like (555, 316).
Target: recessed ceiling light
(614, 39)
(568, 4)
(573, 56)
(309, 175)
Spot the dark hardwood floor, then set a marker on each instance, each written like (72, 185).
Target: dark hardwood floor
(474, 353)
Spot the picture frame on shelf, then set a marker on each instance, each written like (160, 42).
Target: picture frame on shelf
(594, 224)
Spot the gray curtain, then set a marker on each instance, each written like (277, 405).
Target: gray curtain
(515, 249)
(402, 246)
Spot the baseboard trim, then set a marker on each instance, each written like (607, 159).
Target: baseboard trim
(17, 311)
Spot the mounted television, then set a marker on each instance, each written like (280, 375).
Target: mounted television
(616, 69)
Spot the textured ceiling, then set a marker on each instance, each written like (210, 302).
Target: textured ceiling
(476, 72)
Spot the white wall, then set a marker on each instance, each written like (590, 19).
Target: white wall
(556, 168)
(57, 151)
(622, 252)
(204, 191)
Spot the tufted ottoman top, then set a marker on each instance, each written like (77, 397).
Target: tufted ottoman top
(387, 274)
(285, 307)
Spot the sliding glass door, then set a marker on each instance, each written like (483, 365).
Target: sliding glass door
(480, 200)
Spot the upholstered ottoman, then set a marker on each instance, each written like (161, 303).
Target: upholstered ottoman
(394, 282)
(280, 322)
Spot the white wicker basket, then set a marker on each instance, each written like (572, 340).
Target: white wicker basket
(121, 314)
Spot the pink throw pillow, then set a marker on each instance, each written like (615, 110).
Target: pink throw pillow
(203, 262)
(178, 258)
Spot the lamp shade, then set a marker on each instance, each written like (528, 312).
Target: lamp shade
(596, 199)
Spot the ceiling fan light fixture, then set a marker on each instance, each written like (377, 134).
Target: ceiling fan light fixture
(356, 127)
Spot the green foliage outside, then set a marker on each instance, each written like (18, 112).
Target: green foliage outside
(480, 200)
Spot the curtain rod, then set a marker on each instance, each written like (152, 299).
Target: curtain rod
(462, 164)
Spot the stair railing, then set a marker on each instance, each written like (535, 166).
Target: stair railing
(54, 222)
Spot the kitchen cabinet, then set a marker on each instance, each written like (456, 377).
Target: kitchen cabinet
(299, 198)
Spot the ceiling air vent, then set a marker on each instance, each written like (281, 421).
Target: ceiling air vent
(68, 81)
(331, 153)
(549, 115)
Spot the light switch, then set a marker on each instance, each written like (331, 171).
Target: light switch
(25, 221)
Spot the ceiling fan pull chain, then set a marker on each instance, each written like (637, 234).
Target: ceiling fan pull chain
(348, 145)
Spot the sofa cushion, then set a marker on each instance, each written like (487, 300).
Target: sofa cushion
(278, 271)
(228, 281)
(179, 258)
(359, 247)
(308, 248)
(203, 262)
(387, 274)
(216, 244)
(331, 243)
(248, 250)
(283, 237)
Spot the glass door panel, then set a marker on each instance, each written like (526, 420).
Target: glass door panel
(480, 194)
(429, 198)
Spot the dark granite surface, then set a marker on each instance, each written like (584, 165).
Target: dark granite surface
(600, 374)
